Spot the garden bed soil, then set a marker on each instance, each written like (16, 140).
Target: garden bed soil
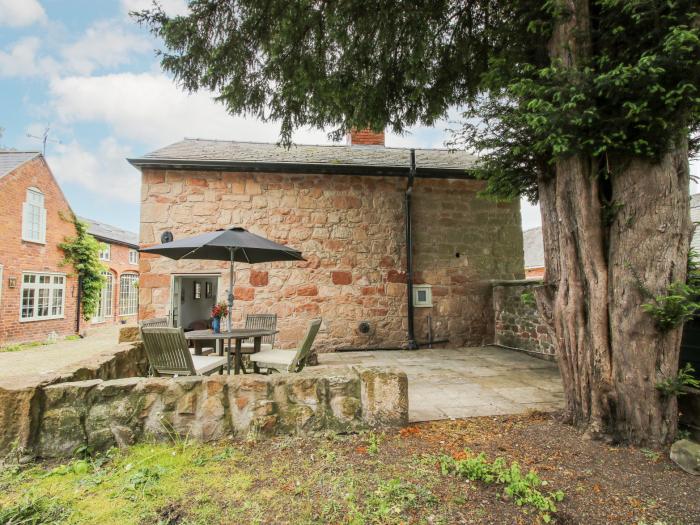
(388, 478)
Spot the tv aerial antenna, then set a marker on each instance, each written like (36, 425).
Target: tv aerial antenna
(44, 138)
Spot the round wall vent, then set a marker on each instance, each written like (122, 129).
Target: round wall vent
(166, 237)
(364, 327)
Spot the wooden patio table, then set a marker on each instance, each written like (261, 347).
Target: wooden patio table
(238, 335)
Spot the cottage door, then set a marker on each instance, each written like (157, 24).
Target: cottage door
(175, 301)
(104, 307)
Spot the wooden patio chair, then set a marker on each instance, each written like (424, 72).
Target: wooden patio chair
(288, 360)
(161, 322)
(260, 322)
(164, 322)
(168, 354)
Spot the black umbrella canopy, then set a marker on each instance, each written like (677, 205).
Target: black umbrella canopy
(218, 245)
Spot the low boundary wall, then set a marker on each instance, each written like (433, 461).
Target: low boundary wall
(53, 420)
(518, 324)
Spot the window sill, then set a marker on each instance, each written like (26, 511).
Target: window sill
(36, 320)
(43, 243)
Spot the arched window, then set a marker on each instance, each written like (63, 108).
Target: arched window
(128, 294)
(34, 217)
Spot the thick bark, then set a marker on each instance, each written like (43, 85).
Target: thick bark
(611, 354)
(649, 241)
(577, 277)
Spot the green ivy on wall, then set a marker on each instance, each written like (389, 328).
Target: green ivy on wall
(82, 251)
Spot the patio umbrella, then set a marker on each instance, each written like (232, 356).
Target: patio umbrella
(233, 245)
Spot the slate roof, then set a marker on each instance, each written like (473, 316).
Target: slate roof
(346, 159)
(533, 247)
(11, 160)
(108, 233)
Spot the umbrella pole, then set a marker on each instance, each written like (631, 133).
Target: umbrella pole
(230, 292)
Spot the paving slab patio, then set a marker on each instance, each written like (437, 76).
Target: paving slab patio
(466, 382)
(46, 363)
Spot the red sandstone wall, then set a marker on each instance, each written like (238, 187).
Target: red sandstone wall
(17, 255)
(351, 230)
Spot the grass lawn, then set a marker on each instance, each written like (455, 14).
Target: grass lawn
(417, 475)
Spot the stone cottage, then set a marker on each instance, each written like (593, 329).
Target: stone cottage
(344, 208)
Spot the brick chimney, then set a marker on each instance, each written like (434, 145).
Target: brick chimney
(365, 137)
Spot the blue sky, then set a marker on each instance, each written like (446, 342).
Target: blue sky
(85, 69)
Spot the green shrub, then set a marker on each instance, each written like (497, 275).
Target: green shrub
(673, 386)
(527, 298)
(83, 252)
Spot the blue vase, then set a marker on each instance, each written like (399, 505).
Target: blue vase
(216, 325)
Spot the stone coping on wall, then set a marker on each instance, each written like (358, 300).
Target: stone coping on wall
(517, 282)
(102, 414)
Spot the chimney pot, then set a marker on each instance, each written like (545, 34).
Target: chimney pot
(365, 137)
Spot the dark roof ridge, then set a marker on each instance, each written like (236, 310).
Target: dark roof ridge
(293, 144)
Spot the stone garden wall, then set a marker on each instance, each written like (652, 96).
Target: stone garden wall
(21, 403)
(517, 322)
(102, 414)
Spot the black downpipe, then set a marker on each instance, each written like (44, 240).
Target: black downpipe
(80, 298)
(412, 344)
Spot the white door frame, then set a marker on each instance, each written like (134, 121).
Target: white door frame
(176, 275)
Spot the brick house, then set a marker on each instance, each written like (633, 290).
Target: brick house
(343, 207)
(120, 256)
(38, 295)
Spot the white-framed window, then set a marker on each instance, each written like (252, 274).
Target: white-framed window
(422, 295)
(133, 257)
(128, 294)
(34, 217)
(105, 251)
(43, 296)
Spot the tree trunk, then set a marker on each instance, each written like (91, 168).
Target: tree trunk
(649, 240)
(610, 353)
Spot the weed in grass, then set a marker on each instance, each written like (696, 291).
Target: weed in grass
(651, 454)
(390, 502)
(23, 346)
(373, 444)
(34, 511)
(202, 459)
(144, 479)
(521, 488)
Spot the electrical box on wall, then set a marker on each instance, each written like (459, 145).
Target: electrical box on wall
(422, 295)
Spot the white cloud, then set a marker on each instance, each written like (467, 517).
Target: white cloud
(104, 44)
(104, 171)
(150, 108)
(22, 60)
(171, 7)
(17, 13)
